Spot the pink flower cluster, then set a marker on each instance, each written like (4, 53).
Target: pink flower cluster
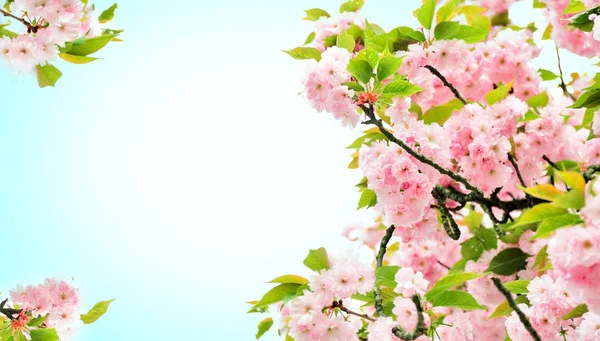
(58, 299)
(550, 301)
(59, 21)
(473, 69)
(324, 90)
(575, 254)
(309, 317)
(567, 37)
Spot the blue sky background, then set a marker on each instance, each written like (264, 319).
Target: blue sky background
(180, 172)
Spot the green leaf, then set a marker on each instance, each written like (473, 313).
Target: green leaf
(87, 46)
(441, 113)
(302, 53)
(503, 309)
(425, 13)
(44, 334)
(346, 41)
(108, 14)
(73, 59)
(448, 282)
(541, 260)
(539, 213)
(264, 326)
(368, 198)
(8, 33)
(578, 311)
(487, 237)
(400, 37)
(539, 100)
(47, 75)
(317, 260)
(517, 287)
(573, 199)
(574, 6)
(310, 38)
(572, 179)
(18, 336)
(361, 70)
(351, 6)
(473, 219)
(508, 262)
(471, 249)
(290, 279)
(538, 4)
(278, 294)
(386, 276)
(471, 34)
(582, 21)
(354, 86)
(458, 267)
(499, 93)
(543, 191)
(315, 14)
(548, 226)
(96, 312)
(446, 30)
(35, 322)
(401, 87)
(456, 299)
(388, 66)
(589, 99)
(369, 55)
(547, 35)
(547, 75)
(447, 11)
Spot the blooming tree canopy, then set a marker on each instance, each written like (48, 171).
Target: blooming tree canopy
(47, 29)
(480, 168)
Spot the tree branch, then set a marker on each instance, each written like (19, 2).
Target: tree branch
(382, 249)
(8, 312)
(446, 83)
(30, 28)
(563, 86)
(513, 305)
(589, 173)
(454, 176)
(340, 305)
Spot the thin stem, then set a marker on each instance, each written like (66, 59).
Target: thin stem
(516, 167)
(30, 28)
(444, 265)
(340, 305)
(513, 305)
(420, 328)
(446, 83)
(454, 176)
(382, 249)
(552, 164)
(563, 86)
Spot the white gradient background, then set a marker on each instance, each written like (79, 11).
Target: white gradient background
(183, 170)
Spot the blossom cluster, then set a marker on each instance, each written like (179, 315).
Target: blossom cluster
(55, 298)
(55, 22)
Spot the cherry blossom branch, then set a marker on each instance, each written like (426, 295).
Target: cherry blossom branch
(340, 305)
(589, 173)
(448, 221)
(563, 86)
(30, 28)
(513, 305)
(422, 158)
(420, 328)
(382, 249)
(446, 83)
(8, 312)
